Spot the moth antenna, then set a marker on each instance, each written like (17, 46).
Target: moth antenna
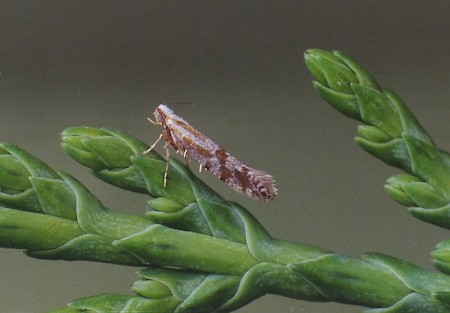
(183, 103)
(153, 122)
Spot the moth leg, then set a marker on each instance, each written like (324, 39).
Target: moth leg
(153, 145)
(186, 157)
(167, 164)
(200, 168)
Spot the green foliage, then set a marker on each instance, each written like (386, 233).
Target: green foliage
(201, 253)
(390, 132)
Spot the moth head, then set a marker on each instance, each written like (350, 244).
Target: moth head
(161, 113)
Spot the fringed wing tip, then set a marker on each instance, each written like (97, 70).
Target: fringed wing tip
(266, 186)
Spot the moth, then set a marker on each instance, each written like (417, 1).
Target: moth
(192, 144)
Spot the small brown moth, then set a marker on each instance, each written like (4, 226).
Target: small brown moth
(193, 144)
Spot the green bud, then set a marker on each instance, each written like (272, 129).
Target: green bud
(87, 247)
(195, 291)
(439, 216)
(180, 282)
(410, 124)
(14, 178)
(443, 296)
(363, 77)
(411, 191)
(108, 303)
(55, 197)
(393, 152)
(214, 291)
(177, 188)
(102, 303)
(441, 257)
(96, 148)
(372, 134)
(342, 279)
(335, 76)
(151, 289)
(140, 304)
(94, 218)
(189, 218)
(16, 168)
(413, 277)
(108, 152)
(415, 303)
(330, 71)
(425, 195)
(347, 104)
(377, 110)
(394, 188)
(34, 166)
(311, 58)
(165, 205)
(429, 164)
(129, 178)
(27, 230)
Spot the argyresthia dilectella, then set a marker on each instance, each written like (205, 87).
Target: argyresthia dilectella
(193, 144)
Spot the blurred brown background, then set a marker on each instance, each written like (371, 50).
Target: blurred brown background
(109, 63)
